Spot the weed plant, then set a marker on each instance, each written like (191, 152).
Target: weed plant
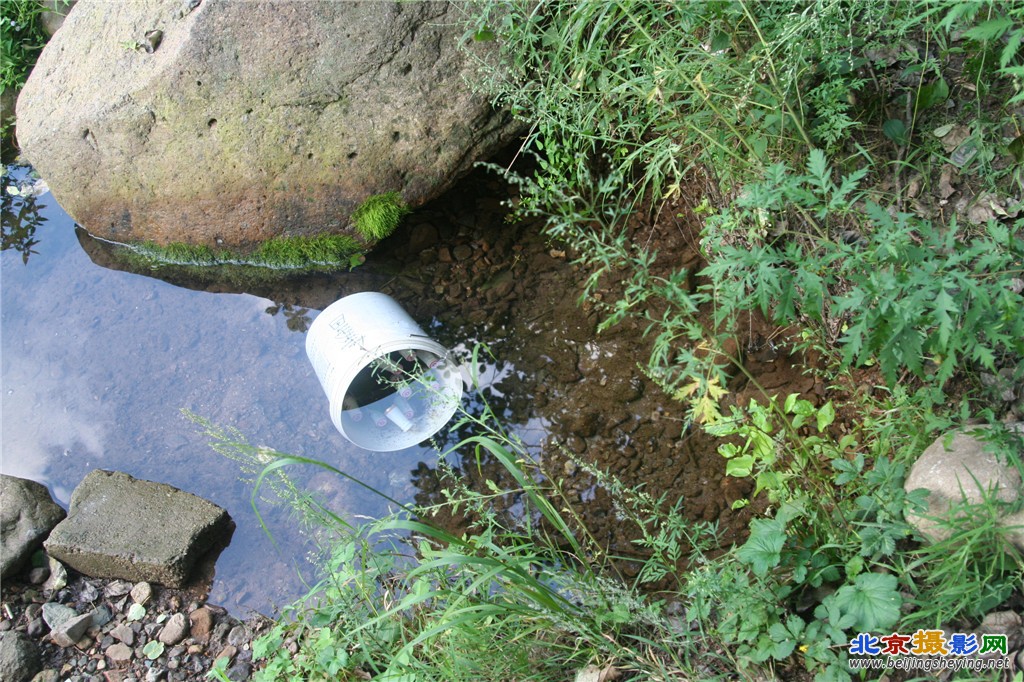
(21, 40)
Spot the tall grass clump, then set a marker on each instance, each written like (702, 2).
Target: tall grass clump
(522, 591)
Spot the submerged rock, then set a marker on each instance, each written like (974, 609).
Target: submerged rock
(122, 527)
(27, 514)
(252, 120)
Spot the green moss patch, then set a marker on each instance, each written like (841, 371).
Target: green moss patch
(322, 252)
(379, 215)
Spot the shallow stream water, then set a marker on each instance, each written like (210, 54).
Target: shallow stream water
(98, 365)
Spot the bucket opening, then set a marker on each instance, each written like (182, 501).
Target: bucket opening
(401, 392)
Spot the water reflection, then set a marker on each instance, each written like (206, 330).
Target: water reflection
(20, 213)
(296, 318)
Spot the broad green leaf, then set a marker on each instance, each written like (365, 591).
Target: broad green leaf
(136, 612)
(895, 130)
(872, 601)
(740, 467)
(826, 415)
(932, 94)
(721, 41)
(763, 549)
(483, 35)
(154, 649)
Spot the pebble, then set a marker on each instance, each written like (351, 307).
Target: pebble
(141, 593)
(175, 629)
(119, 653)
(124, 633)
(202, 623)
(70, 631)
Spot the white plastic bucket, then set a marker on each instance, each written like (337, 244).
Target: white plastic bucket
(390, 386)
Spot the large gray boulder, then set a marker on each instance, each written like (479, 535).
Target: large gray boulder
(968, 471)
(27, 514)
(240, 121)
(122, 527)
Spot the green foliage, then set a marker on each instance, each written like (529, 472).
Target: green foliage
(379, 215)
(21, 40)
(970, 571)
(917, 297)
(839, 517)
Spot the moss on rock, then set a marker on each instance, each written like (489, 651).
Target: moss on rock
(379, 215)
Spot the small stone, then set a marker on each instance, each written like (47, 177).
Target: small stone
(227, 652)
(240, 672)
(202, 623)
(36, 628)
(69, 632)
(141, 593)
(48, 675)
(155, 674)
(220, 632)
(462, 252)
(58, 578)
(175, 630)
(101, 615)
(124, 633)
(56, 614)
(238, 635)
(38, 576)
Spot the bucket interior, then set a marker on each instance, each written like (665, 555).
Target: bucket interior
(399, 399)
